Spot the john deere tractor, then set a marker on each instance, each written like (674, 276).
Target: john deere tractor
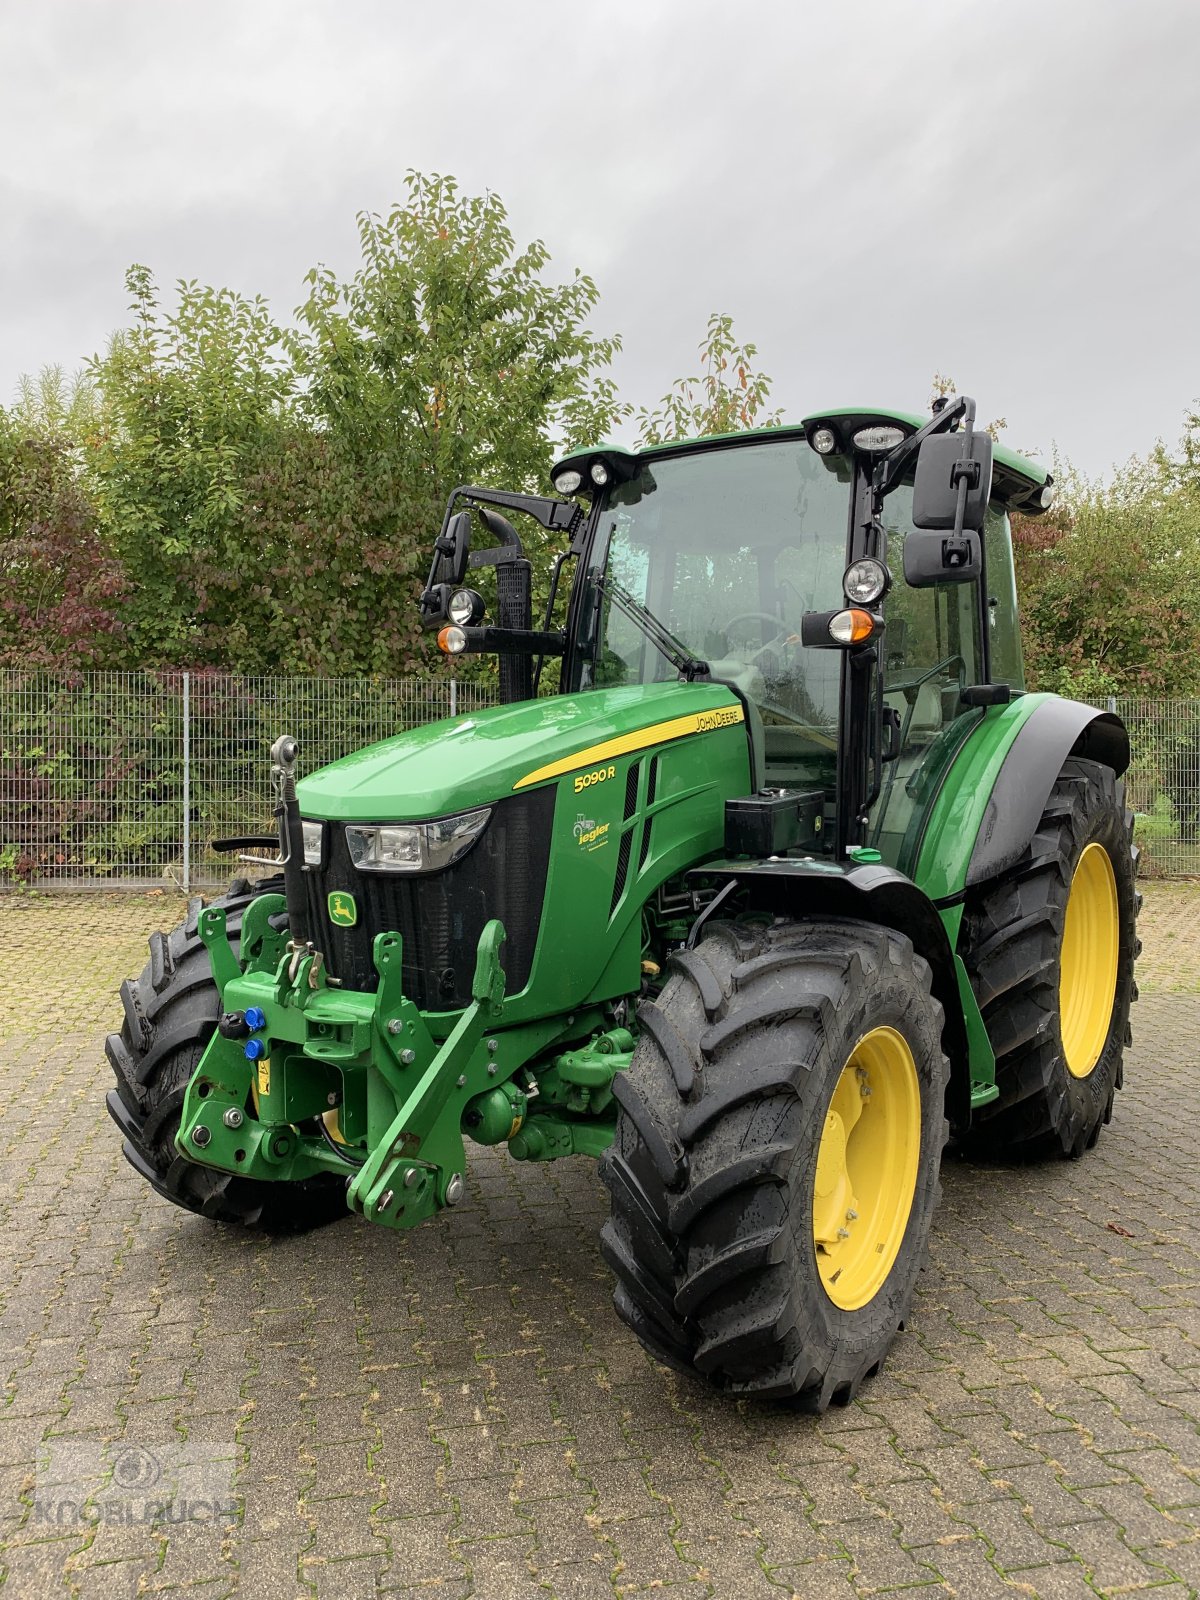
(788, 879)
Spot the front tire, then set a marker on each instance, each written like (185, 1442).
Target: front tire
(775, 1165)
(1050, 949)
(171, 1013)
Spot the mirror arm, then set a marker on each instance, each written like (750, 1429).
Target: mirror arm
(965, 473)
(433, 565)
(495, 557)
(891, 467)
(554, 515)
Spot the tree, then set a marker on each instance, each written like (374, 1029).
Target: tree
(55, 406)
(275, 493)
(1110, 584)
(729, 394)
(192, 403)
(60, 587)
(447, 359)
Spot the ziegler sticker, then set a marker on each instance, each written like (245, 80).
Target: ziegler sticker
(590, 834)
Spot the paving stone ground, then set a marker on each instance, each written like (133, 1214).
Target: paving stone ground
(457, 1412)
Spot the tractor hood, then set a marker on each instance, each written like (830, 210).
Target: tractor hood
(462, 762)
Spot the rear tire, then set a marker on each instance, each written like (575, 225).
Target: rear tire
(171, 1013)
(1055, 988)
(745, 1130)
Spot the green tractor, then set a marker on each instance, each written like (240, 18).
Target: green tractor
(788, 880)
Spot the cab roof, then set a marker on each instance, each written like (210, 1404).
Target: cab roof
(1014, 477)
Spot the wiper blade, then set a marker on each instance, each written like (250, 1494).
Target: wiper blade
(659, 635)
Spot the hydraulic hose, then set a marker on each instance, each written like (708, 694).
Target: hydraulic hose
(338, 1149)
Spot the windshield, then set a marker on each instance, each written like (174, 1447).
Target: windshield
(727, 548)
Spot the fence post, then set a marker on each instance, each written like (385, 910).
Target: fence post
(1112, 702)
(187, 782)
(453, 697)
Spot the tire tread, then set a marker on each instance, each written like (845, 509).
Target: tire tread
(170, 1013)
(1012, 932)
(700, 1237)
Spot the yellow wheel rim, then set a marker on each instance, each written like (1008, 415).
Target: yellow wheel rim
(867, 1168)
(1087, 974)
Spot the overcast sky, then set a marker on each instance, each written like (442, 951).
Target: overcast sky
(1005, 192)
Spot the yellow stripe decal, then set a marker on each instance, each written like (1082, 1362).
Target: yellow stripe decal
(659, 733)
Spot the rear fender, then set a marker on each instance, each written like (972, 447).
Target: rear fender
(868, 893)
(1057, 730)
(991, 798)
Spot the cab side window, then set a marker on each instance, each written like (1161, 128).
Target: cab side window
(1004, 632)
(932, 651)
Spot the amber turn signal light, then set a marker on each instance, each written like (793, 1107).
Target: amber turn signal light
(452, 640)
(851, 626)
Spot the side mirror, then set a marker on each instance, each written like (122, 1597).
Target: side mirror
(931, 558)
(453, 549)
(943, 461)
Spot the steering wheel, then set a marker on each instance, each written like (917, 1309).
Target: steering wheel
(782, 633)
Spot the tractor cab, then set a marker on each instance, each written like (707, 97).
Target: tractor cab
(728, 547)
(731, 559)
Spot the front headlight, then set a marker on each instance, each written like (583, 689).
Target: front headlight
(466, 607)
(415, 846)
(866, 581)
(314, 834)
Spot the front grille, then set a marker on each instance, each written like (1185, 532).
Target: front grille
(441, 916)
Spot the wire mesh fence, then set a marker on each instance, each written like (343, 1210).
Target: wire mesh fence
(1163, 783)
(125, 778)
